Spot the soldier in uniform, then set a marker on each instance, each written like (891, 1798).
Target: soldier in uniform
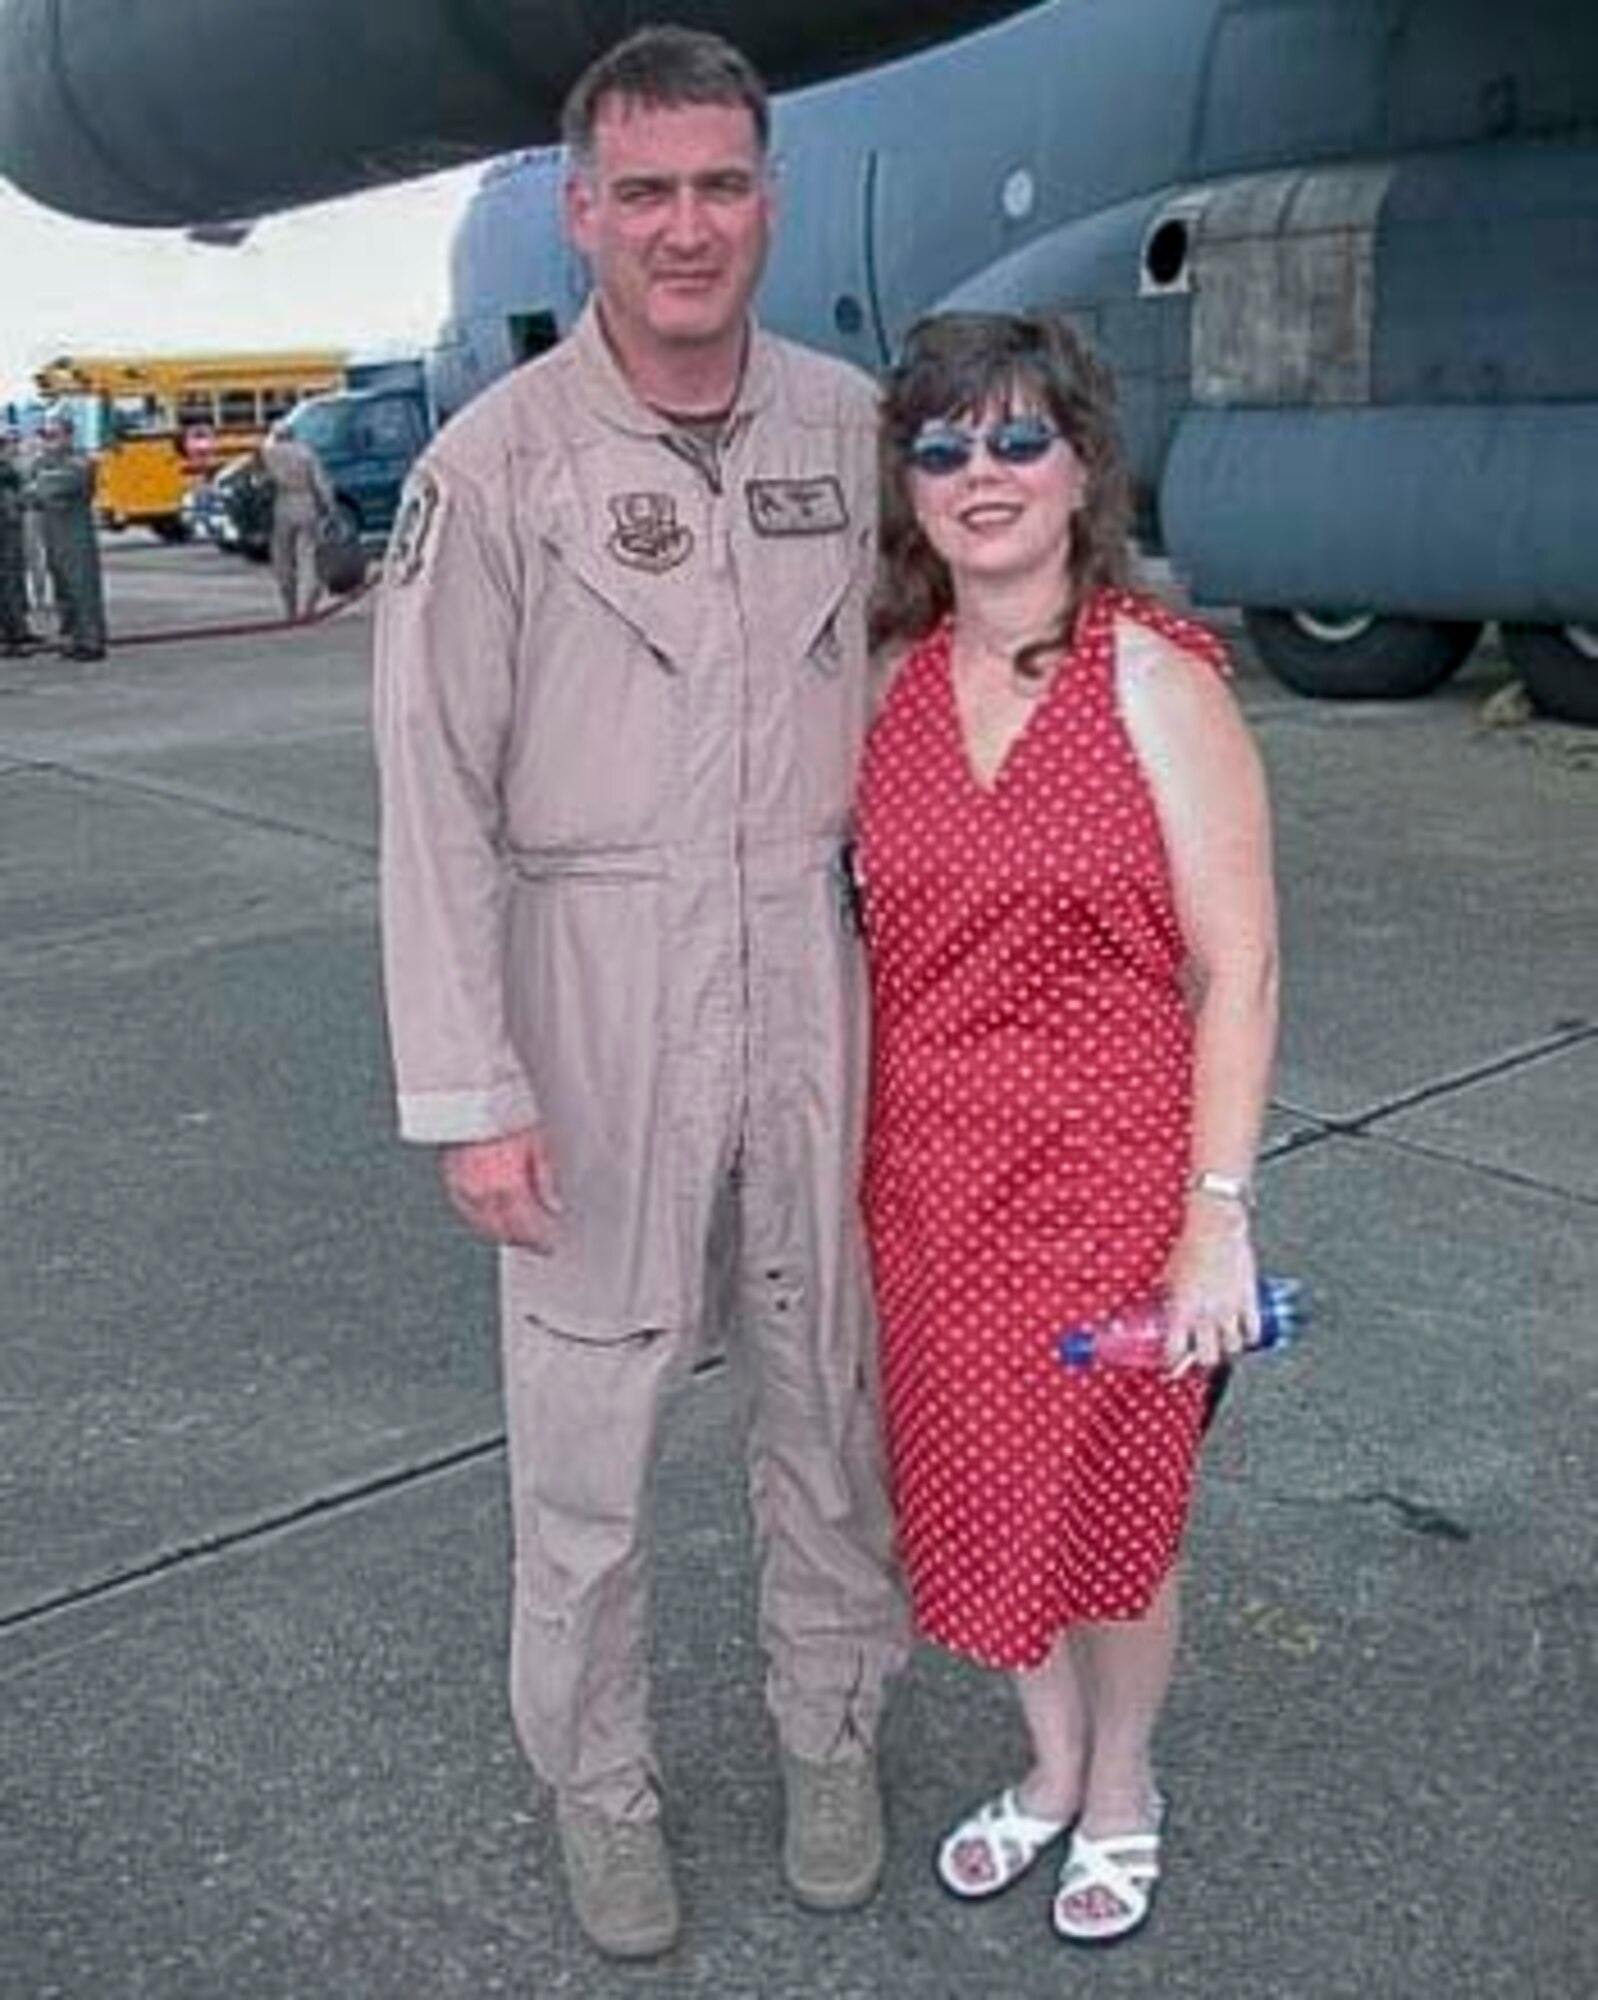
(621, 693)
(302, 500)
(15, 634)
(63, 490)
(41, 598)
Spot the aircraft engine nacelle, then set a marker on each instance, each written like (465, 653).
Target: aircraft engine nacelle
(176, 112)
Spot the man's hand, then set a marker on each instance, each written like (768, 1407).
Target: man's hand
(504, 1189)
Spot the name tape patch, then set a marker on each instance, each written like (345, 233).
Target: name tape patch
(797, 506)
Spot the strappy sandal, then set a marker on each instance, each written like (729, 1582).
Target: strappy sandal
(1124, 1868)
(1002, 1839)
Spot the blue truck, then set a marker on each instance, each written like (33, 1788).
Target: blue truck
(367, 436)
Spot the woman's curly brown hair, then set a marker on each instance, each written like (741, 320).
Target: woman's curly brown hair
(960, 366)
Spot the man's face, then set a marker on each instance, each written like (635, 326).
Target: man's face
(673, 215)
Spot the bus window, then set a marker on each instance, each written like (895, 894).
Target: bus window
(136, 416)
(195, 406)
(238, 411)
(276, 403)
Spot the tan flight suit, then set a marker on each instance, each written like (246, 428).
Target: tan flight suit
(619, 708)
(301, 500)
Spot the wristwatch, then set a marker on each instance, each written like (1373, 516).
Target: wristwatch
(1223, 1187)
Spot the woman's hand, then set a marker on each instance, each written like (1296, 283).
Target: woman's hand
(1211, 1285)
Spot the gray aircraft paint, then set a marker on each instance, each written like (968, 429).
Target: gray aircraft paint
(1342, 253)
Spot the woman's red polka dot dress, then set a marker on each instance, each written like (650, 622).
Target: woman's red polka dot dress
(1028, 1149)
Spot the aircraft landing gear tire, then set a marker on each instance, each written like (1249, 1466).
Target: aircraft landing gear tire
(1559, 665)
(1358, 656)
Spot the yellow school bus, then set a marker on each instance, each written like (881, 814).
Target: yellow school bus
(158, 423)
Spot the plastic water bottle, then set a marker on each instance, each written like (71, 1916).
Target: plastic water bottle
(1136, 1335)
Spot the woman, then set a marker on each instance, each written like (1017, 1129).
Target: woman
(1064, 855)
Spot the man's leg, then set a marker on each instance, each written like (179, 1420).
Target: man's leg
(582, 1419)
(285, 564)
(308, 579)
(833, 1616)
(62, 582)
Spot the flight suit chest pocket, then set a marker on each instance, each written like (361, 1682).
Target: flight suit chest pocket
(602, 695)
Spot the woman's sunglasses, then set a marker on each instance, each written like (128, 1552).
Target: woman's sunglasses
(938, 449)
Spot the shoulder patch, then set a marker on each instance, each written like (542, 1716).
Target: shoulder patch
(413, 529)
(797, 506)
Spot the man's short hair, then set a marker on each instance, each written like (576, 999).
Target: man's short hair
(663, 68)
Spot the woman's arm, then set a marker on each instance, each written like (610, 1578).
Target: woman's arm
(1209, 792)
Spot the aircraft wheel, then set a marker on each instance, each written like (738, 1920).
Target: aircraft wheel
(1358, 656)
(1559, 665)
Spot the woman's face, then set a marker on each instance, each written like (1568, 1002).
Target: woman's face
(996, 495)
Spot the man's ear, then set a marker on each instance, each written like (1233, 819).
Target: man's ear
(577, 200)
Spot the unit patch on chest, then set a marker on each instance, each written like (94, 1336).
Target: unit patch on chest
(797, 506)
(648, 534)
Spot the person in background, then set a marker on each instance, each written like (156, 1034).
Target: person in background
(621, 688)
(302, 502)
(16, 635)
(62, 487)
(1064, 858)
(41, 598)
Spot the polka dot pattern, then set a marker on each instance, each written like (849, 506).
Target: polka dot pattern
(1028, 1147)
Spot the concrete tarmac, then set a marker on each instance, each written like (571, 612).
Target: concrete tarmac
(253, 1736)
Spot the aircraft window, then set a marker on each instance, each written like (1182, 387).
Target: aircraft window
(1019, 195)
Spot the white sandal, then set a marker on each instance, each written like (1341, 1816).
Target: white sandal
(1125, 1867)
(1007, 1840)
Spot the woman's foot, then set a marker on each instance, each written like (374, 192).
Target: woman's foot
(1107, 1881)
(995, 1846)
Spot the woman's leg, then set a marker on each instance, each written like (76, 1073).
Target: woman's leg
(1125, 1672)
(1053, 1700)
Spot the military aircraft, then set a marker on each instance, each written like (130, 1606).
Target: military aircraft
(1342, 253)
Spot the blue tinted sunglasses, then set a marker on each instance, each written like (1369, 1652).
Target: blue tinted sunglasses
(941, 448)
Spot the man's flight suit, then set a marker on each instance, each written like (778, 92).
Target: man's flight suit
(63, 486)
(302, 500)
(621, 692)
(14, 629)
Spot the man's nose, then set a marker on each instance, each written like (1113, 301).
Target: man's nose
(688, 221)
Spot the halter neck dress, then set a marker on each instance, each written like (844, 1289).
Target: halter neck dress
(1028, 1146)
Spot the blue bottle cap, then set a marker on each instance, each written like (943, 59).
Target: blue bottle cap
(1076, 1347)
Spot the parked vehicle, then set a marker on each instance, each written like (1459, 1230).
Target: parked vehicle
(367, 440)
(232, 509)
(159, 425)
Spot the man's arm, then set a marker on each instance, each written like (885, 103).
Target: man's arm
(447, 635)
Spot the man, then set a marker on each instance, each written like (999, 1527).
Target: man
(621, 690)
(15, 634)
(302, 500)
(41, 598)
(62, 488)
